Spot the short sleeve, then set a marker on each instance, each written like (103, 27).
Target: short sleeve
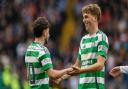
(103, 46)
(45, 60)
(124, 69)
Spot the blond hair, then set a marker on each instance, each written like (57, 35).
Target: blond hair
(92, 9)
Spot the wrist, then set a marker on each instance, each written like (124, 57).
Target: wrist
(82, 70)
(68, 70)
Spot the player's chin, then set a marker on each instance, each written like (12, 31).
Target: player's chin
(46, 41)
(87, 29)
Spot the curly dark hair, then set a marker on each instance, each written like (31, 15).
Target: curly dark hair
(39, 25)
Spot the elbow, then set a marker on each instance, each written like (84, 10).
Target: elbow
(53, 76)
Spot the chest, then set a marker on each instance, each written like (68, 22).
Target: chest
(89, 42)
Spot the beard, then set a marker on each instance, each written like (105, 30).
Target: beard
(46, 40)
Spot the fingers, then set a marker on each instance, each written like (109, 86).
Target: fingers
(68, 70)
(115, 72)
(112, 74)
(74, 72)
(115, 69)
(75, 68)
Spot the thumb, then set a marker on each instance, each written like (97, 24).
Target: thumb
(75, 67)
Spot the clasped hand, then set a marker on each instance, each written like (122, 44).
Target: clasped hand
(74, 70)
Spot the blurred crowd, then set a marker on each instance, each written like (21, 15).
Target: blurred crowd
(66, 30)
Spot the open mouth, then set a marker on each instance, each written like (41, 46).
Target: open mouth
(86, 23)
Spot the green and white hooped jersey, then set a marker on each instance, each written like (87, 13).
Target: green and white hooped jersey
(38, 61)
(90, 48)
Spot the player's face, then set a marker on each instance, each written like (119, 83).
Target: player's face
(88, 20)
(46, 35)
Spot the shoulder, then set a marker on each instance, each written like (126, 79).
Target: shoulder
(38, 47)
(101, 35)
(43, 48)
(84, 37)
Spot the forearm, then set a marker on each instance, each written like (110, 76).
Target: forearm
(57, 73)
(97, 66)
(92, 68)
(124, 69)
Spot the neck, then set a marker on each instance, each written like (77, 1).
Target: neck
(40, 40)
(93, 29)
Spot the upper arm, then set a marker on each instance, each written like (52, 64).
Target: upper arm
(50, 72)
(103, 46)
(101, 60)
(45, 61)
(102, 50)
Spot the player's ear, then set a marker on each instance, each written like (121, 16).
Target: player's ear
(44, 33)
(96, 18)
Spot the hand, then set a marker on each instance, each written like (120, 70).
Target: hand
(115, 72)
(57, 81)
(69, 70)
(76, 70)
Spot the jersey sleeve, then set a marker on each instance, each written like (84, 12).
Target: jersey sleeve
(124, 69)
(45, 60)
(103, 46)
